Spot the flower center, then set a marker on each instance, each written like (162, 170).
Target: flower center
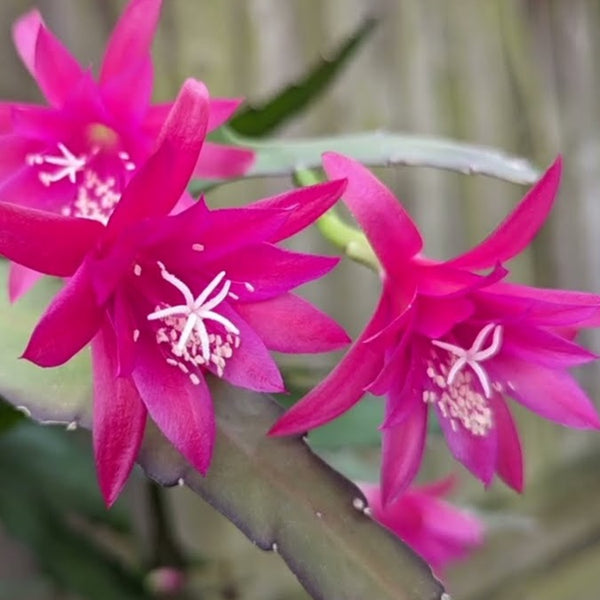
(195, 333)
(453, 387)
(102, 136)
(98, 176)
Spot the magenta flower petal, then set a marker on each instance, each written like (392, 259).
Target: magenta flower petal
(550, 393)
(124, 325)
(131, 39)
(119, 418)
(439, 488)
(510, 454)
(223, 162)
(516, 309)
(251, 366)
(221, 110)
(128, 94)
(308, 204)
(436, 530)
(23, 188)
(450, 533)
(405, 390)
(13, 150)
(435, 319)
(566, 302)
(444, 280)
(477, 453)
(25, 32)
(6, 115)
(342, 388)
(542, 347)
(170, 167)
(224, 231)
(392, 233)
(518, 229)
(56, 71)
(287, 323)
(187, 418)
(69, 323)
(333, 396)
(402, 449)
(155, 117)
(20, 281)
(39, 126)
(287, 270)
(29, 237)
(395, 370)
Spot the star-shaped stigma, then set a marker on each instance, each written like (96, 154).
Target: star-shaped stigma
(474, 355)
(196, 310)
(69, 165)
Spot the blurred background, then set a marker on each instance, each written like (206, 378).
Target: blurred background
(521, 75)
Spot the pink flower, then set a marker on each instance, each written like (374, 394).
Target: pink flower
(432, 527)
(165, 300)
(75, 155)
(448, 339)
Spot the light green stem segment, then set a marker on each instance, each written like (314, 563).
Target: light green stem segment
(350, 240)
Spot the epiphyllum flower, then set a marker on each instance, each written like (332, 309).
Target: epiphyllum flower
(431, 526)
(165, 300)
(75, 155)
(446, 338)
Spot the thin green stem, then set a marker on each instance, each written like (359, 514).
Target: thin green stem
(351, 241)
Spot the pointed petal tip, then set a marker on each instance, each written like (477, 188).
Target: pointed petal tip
(221, 110)
(552, 175)
(24, 33)
(518, 485)
(202, 462)
(557, 165)
(331, 158)
(187, 121)
(110, 494)
(29, 20)
(392, 491)
(195, 86)
(38, 358)
(284, 427)
(593, 422)
(388, 226)
(131, 39)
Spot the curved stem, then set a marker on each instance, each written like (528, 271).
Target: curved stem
(350, 240)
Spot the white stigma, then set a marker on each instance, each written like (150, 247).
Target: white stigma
(69, 165)
(197, 310)
(474, 355)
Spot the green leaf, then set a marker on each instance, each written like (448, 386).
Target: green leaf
(379, 148)
(284, 498)
(262, 120)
